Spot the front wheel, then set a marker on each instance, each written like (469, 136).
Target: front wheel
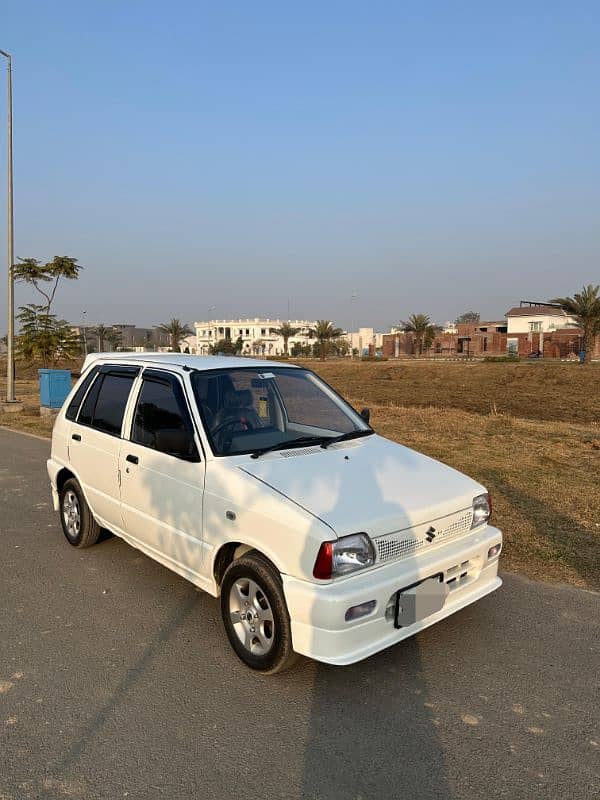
(255, 614)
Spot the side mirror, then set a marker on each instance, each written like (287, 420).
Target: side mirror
(366, 415)
(177, 442)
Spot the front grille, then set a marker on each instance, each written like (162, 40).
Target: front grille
(406, 542)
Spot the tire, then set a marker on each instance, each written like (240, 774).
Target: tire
(252, 588)
(79, 526)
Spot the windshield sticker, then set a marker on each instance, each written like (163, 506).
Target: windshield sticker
(266, 375)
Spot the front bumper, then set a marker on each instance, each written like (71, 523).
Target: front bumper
(317, 611)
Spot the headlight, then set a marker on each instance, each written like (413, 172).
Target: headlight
(343, 556)
(482, 509)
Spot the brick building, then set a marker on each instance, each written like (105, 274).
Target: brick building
(530, 328)
(468, 339)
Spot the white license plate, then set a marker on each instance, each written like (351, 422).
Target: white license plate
(420, 601)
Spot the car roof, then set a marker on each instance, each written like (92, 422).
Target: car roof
(183, 360)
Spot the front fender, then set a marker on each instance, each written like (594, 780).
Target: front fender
(240, 508)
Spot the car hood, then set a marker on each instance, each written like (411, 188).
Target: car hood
(370, 484)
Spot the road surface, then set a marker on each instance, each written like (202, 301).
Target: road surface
(116, 681)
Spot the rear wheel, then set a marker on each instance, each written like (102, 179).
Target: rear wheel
(78, 524)
(255, 614)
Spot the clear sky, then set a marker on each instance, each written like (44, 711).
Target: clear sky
(431, 157)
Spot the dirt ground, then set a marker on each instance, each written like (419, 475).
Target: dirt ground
(529, 432)
(550, 391)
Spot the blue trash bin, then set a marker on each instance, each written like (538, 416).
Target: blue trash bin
(55, 385)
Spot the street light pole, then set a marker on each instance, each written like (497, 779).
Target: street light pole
(10, 365)
(83, 313)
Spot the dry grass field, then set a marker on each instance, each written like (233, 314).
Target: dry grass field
(529, 432)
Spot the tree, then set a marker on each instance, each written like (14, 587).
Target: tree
(114, 338)
(430, 334)
(471, 317)
(176, 331)
(585, 307)
(101, 331)
(43, 338)
(417, 324)
(324, 331)
(33, 272)
(222, 347)
(341, 346)
(286, 332)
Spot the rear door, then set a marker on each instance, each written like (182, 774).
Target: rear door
(95, 441)
(162, 474)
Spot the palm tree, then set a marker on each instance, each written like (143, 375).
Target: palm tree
(176, 331)
(101, 331)
(286, 332)
(324, 331)
(419, 325)
(585, 307)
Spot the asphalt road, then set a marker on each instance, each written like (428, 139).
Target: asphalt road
(116, 680)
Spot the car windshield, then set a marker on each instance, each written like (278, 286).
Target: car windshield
(249, 409)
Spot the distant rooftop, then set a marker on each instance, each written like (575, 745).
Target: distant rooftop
(539, 309)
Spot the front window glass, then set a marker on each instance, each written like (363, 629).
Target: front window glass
(161, 420)
(251, 409)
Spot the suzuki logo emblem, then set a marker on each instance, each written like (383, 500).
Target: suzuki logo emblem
(430, 534)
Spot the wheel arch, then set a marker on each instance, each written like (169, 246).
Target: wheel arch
(62, 476)
(230, 552)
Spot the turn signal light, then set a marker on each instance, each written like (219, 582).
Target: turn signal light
(324, 562)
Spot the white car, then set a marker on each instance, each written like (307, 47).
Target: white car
(259, 484)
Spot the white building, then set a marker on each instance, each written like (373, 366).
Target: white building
(363, 338)
(258, 335)
(537, 318)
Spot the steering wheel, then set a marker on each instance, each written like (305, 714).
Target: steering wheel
(229, 423)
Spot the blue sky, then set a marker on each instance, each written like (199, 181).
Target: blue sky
(431, 157)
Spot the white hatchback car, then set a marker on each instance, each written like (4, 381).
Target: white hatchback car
(261, 485)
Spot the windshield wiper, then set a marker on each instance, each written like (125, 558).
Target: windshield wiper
(344, 437)
(298, 442)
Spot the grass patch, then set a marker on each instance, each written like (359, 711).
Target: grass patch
(566, 392)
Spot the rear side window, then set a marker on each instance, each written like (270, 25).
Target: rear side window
(104, 406)
(73, 406)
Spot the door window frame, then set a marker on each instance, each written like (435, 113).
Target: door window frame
(162, 375)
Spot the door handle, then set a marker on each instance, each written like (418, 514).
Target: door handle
(76, 436)
(132, 459)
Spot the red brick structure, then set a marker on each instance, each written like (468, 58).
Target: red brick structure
(565, 343)
(473, 339)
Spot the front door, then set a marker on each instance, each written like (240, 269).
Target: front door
(162, 475)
